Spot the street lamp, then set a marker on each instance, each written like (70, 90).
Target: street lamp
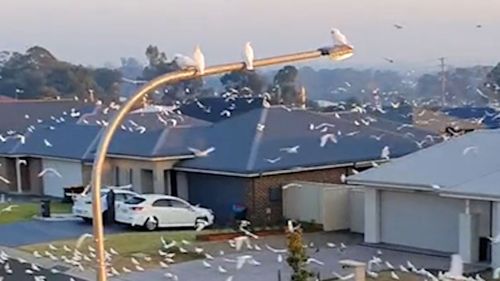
(337, 52)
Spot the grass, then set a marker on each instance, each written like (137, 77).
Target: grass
(26, 211)
(128, 245)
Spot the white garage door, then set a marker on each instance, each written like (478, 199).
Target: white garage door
(71, 176)
(420, 221)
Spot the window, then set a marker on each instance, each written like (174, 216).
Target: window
(178, 204)
(135, 200)
(275, 194)
(161, 203)
(120, 197)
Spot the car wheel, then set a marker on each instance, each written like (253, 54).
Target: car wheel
(87, 220)
(201, 221)
(151, 224)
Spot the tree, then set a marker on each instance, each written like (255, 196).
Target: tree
(38, 74)
(493, 80)
(158, 64)
(285, 85)
(297, 256)
(239, 80)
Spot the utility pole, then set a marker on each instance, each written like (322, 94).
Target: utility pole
(443, 79)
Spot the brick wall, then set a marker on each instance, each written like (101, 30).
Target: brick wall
(258, 200)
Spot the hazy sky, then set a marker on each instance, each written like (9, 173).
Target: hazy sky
(99, 31)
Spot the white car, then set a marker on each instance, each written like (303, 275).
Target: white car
(153, 211)
(82, 205)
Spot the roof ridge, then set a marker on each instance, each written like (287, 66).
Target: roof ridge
(93, 143)
(160, 141)
(256, 141)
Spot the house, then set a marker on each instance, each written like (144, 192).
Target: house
(259, 151)
(18, 115)
(255, 153)
(443, 198)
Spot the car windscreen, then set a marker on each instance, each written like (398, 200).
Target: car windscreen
(135, 200)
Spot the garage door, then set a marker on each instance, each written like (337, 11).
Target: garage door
(420, 221)
(71, 176)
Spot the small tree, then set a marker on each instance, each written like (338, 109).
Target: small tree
(297, 256)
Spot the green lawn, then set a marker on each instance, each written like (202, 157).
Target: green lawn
(26, 211)
(132, 244)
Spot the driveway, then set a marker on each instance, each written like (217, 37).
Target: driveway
(269, 265)
(34, 232)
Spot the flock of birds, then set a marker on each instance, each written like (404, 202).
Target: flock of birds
(227, 266)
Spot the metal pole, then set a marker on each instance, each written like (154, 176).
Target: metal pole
(335, 52)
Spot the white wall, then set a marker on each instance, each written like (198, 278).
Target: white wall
(328, 204)
(357, 210)
(71, 176)
(160, 184)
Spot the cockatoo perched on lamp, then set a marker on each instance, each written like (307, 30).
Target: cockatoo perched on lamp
(199, 60)
(249, 56)
(339, 37)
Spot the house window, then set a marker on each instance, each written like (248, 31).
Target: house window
(131, 176)
(275, 194)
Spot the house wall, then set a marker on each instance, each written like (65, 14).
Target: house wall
(357, 210)
(126, 166)
(35, 182)
(263, 211)
(218, 193)
(87, 174)
(8, 171)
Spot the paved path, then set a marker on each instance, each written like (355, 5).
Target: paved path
(268, 270)
(34, 232)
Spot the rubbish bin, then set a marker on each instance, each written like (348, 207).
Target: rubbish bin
(240, 212)
(45, 208)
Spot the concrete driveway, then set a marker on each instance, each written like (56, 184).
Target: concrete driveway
(269, 267)
(34, 232)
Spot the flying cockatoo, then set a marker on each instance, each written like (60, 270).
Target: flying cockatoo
(249, 56)
(199, 60)
(338, 37)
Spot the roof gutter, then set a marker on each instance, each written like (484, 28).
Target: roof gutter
(402, 187)
(470, 197)
(154, 159)
(388, 185)
(270, 173)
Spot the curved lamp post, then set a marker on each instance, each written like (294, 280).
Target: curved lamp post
(335, 53)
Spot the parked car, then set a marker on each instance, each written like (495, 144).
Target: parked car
(82, 205)
(153, 211)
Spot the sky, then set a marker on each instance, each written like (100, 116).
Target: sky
(96, 32)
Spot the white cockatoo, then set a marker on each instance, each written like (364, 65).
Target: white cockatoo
(338, 37)
(199, 60)
(249, 56)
